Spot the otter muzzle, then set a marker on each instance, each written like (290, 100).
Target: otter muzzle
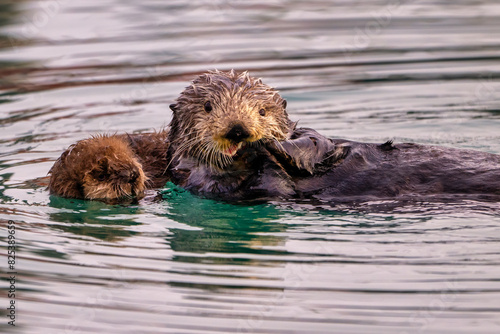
(237, 133)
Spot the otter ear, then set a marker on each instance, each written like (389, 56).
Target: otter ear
(173, 107)
(284, 104)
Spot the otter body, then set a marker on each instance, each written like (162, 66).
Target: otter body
(230, 138)
(254, 174)
(311, 166)
(351, 171)
(405, 170)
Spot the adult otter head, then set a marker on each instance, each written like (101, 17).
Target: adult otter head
(102, 168)
(220, 112)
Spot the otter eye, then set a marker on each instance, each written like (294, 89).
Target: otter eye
(208, 106)
(262, 112)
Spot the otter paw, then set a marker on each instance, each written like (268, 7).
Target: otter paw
(306, 150)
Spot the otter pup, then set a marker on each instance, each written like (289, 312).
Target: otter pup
(230, 138)
(101, 167)
(111, 168)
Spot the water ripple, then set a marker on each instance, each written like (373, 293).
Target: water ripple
(367, 70)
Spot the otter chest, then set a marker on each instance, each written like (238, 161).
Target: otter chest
(252, 175)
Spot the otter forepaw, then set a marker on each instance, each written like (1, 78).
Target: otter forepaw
(306, 150)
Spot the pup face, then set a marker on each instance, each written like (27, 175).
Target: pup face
(221, 112)
(114, 176)
(102, 168)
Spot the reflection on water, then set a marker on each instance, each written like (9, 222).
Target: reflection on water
(421, 71)
(221, 227)
(93, 219)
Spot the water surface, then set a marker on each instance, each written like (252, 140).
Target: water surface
(367, 70)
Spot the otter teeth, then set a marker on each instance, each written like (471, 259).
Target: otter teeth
(231, 150)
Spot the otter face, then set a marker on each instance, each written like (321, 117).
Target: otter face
(221, 112)
(102, 168)
(114, 177)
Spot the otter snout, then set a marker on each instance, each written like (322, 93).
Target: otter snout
(237, 133)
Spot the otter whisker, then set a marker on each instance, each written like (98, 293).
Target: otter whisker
(188, 144)
(184, 146)
(202, 151)
(213, 157)
(279, 144)
(201, 148)
(211, 152)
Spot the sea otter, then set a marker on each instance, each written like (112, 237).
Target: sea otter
(220, 127)
(231, 138)
(111, 168)
(347, 171)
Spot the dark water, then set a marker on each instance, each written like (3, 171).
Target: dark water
(424, 71)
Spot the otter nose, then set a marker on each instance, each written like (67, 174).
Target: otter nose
(237, 133)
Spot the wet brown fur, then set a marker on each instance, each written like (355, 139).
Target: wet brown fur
(268, 157)
(196, 140)
(111, 167)
(101, 167)
(205, 156)
(151, 151)
(235, 99)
